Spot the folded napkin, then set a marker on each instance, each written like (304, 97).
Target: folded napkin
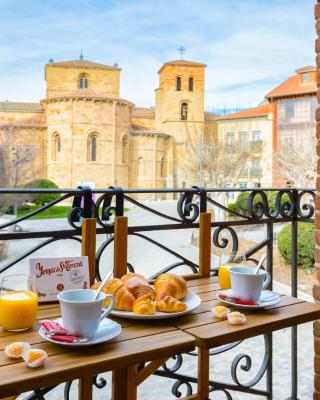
(236, 300)
(56, 332)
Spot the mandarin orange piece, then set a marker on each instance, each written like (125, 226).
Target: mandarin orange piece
(221, 311)
(236, 318)
(35, 358)
(16, 350)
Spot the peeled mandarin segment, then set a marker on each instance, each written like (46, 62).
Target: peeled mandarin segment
(35, 358)
(236, 318)
(17, 349)
(221, 311)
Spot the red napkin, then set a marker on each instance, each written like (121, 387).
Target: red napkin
(236, 300)
(56, 332)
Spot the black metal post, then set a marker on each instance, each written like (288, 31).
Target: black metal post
(294, 293)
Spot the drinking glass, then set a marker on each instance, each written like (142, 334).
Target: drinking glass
(226, 262)
(18, 302)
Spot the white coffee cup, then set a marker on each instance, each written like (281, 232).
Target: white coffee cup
(246, 285)
(81, 315)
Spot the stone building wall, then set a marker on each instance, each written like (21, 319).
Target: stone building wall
(149, 164)
(77, 121)
(62, 79)
(23, 149)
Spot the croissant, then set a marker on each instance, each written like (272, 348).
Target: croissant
(123, 298)
(144, 306)
(138, 285)
(170, 285)
(170, 304)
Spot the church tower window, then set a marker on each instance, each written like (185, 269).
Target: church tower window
(190, 84)
(178, 84)
(92, 147)
(184, 111)
(56, 146)
(125, 149)
(83, 81)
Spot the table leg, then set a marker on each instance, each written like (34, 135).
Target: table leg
(85, 388)
(123, 384)
(203, 373)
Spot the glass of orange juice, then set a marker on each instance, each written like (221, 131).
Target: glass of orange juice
(18, 302)
(228, 261)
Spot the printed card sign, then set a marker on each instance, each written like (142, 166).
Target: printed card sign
(54, 275)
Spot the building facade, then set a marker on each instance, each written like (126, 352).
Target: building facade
(84, 131)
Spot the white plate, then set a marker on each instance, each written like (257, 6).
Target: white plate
(191, 300)
(107, 330)
(267, 299)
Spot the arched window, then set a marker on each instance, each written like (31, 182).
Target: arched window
(92, 147)
(190, 84)
(83, 81)
(184, 111)
(56, 146)
(140, 167)
(162, 167)
(178, 84)
(125, 149)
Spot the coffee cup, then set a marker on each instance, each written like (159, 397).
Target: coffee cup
(81, 315)
(246, 285)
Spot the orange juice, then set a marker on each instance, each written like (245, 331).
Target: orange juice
(18, 310)
(224, 275)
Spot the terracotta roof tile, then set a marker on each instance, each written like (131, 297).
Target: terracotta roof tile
(185, 63)
(259, 111)
(82, 64)
(209, 116)
(143, 131)
(142, 112)
(293, 87)
(20, 106)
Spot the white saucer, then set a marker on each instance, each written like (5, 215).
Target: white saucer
(107, 330)
(192, 301)
(267, 299)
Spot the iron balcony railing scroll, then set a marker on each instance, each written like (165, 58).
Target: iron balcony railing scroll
(290, 206)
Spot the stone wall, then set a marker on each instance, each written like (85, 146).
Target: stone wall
(76, 121)
(65, 79)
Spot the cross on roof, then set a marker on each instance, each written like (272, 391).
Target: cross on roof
(181, 50)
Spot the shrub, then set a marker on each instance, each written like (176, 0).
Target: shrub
(42, 198)
(305, 244)
(241, 204)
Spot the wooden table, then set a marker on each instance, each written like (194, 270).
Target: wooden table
(210, 332)
(141, 342)
(137, 343)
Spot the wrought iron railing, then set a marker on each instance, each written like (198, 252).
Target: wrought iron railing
(288, 206)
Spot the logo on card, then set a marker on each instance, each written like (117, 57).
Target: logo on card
(76, 277)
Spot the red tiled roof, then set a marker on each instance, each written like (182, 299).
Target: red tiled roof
(144, 131)
(82, 64)
(293, 87)
(183, 63)
(85, 94)
(259, 111)
(20, 106)
(209, 116)
(142, 112)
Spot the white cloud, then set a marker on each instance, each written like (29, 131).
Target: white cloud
(249, 46)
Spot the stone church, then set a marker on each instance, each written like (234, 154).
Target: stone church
(83, 131)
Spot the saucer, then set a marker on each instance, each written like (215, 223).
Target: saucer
(267, 299)
(107, 330)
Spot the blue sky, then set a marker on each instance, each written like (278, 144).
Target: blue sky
(249, 46)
